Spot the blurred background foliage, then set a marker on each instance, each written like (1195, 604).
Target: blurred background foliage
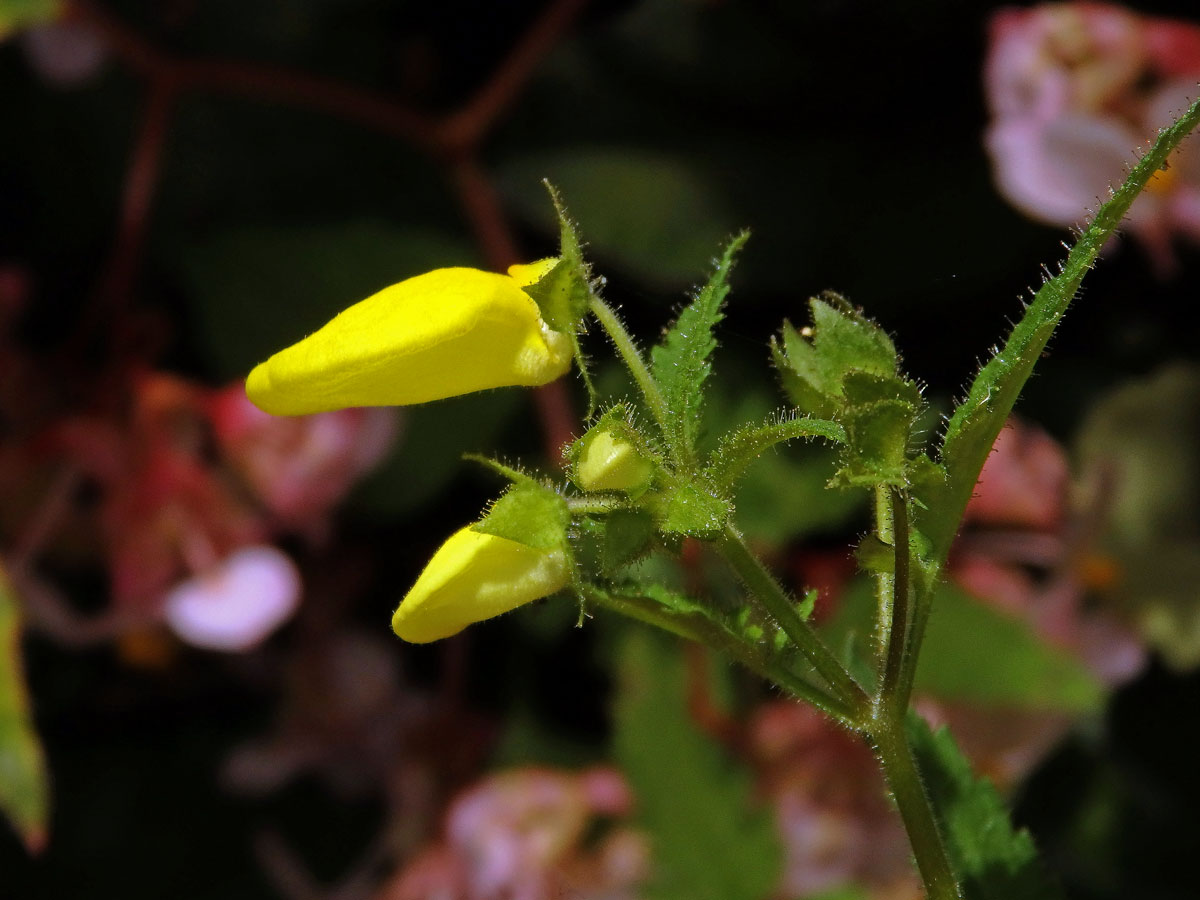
(846, 135)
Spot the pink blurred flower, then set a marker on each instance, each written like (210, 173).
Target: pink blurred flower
(1024, 481)
(1025, 553)
(1074, 89)
(165, 511)
(521, 835)
(300, 466)
(185, 541)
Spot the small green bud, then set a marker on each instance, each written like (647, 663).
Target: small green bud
(607, 461)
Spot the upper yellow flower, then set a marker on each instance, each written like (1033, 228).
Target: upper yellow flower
(472, 577)
(444, 333)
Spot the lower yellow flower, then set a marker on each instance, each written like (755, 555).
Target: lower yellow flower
(472, 577)
(444, 333)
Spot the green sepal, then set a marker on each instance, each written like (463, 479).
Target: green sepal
(877, 443)
(815, 361)
(864, 388)
(531, 514)
(609, 544)
(561, 295)
(630, 464)
(693, 509)
(874, 556)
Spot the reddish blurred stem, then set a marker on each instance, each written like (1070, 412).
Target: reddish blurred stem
(45, 519)
(141, 182)
(481, 206)
(469, 125)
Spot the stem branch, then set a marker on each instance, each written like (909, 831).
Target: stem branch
(632, 358)
(693, 628)
(892, 691)
(763, 586)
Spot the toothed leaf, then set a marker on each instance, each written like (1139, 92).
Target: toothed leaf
(993, 860)
(681, 362)
(695, 801)
(977, 421)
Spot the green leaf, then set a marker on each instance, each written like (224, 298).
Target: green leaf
(709, 843)
(877, 443)
(531, 514)
(680, 363)
(993, 860)
(850, 892)
(17, 14)
(24, 781)
(742, 446)
(975, 654)
(976, 422)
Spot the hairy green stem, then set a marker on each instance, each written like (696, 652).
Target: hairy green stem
(885, 582)
(779, 606)
(921, 603)
(891, 693)
(596, 505)
(900, 770)
(632, 358)
(753, 656)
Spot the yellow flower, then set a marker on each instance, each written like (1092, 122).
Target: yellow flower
(444, 333)
(472, 577)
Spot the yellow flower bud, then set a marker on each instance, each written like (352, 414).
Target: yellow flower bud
(472, 577)
(608, 462)
(444, 333)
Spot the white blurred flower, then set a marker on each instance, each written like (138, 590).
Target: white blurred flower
(236, 604)
(66, 54)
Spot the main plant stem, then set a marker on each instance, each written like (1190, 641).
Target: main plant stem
(900, 770)
(886, 730)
